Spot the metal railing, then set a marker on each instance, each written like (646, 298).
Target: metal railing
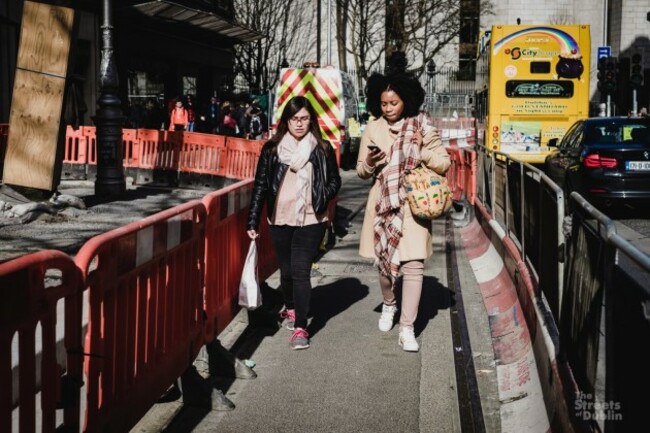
(606, 318)
(530, 208)
(594, 298)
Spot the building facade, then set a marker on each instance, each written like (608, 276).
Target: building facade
(163, 50)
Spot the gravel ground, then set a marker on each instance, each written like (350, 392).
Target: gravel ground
(69, 227)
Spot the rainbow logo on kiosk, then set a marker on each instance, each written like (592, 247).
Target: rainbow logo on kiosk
(567, 44)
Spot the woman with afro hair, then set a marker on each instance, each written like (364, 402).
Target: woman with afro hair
(397, 140)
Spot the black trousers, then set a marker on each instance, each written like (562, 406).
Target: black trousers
(296, 248)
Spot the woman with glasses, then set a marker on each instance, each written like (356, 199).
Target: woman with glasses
(296, 177)
(399, 139)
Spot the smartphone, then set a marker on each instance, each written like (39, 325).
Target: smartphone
(373, 147)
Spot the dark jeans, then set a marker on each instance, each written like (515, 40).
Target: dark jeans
(296, 248)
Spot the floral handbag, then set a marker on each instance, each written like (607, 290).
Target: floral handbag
(427, 192)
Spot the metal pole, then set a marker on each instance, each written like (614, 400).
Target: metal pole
(318, 31)
(634, 103)
(609, 105)
(329, 32)
(109, 118)
(605, 6)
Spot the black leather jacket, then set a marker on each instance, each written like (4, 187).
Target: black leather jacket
(326, 182)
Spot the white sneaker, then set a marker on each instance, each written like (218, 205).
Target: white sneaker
(407, 339)
(386, 318)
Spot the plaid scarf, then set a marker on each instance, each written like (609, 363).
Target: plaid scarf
(404, 154)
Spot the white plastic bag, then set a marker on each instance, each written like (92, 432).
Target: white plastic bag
(249, 289)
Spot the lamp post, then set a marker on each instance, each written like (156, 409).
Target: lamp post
(109, 118)
(431, 73)
(431, 83)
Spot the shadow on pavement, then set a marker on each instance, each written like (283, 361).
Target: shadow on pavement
(329, 300)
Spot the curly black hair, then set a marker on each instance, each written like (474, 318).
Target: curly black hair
(407, 87)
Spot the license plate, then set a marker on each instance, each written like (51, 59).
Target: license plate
(637, 165)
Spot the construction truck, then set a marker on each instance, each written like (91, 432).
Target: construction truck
(333, 96)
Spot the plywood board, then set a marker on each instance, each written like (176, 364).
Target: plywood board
(36, 132)
(45, 38)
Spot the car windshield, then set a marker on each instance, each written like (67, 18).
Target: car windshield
(618, 134)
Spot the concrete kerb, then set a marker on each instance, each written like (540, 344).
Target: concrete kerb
(535, 350)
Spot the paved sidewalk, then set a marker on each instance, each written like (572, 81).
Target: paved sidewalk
(353, 378)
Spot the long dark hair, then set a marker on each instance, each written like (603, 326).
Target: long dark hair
(294, 105)
(407, 87)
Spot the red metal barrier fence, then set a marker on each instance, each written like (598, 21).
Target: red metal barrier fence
(149, 285)
(145, 326)
(226, 247)
(31, 287)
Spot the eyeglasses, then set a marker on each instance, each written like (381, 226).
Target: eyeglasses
(296, 119)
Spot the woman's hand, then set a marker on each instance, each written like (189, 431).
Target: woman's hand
(375, 154)
(417, 137)
(253, 234)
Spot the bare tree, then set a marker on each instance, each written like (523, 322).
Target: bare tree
(419, 28)
(288, 27)
(364, 39)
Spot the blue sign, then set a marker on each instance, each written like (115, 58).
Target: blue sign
(604, 52)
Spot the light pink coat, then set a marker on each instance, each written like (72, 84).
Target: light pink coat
(416, 239)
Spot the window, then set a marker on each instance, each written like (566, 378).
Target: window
(144, 85)
(539, 88)
(189, 85)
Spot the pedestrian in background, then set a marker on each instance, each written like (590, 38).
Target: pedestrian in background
(153, 117)
(399, 137)
(228, 126)
(239, 113)
(178, 117)
(191, 113)
(212, 115)
(296, 177)
(256, 123)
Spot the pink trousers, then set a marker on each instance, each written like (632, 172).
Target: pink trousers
(412, 274)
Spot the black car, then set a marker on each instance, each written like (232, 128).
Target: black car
(605, 159)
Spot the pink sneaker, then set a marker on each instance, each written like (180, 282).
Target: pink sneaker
(289, 318)
(299, 339)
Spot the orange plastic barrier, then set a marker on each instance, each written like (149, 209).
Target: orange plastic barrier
(167, 150)
(130, 148)
(241, 157)
(226, 247)
(91, 143)
(81, 146)
(462, 173)
(76, 146)
(454, 172)
(203, 153)
(145, 325)
(469, 175)
(29, 298)
(159, 149)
